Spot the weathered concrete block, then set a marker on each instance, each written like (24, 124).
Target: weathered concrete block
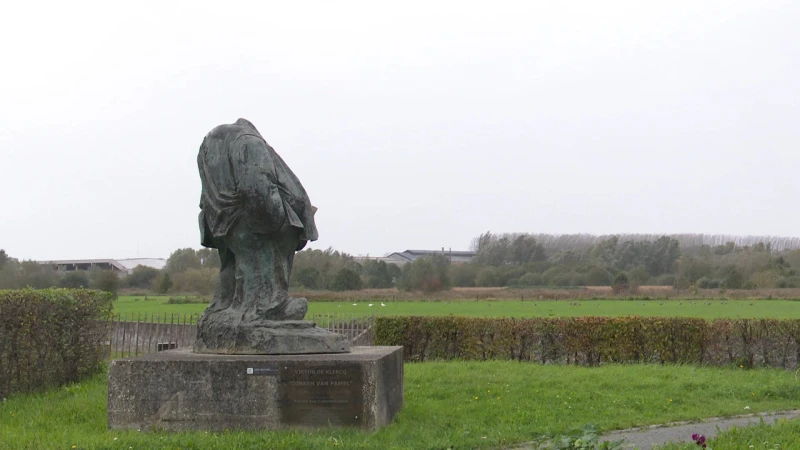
(181, 390)
(278, 337)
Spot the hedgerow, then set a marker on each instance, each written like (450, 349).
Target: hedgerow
(50, 337)
(595, 340)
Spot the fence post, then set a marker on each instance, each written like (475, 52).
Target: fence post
(171, 332)
(153, 330)
(136, 333)
(183, 330)
(112, 345)
(124, 325)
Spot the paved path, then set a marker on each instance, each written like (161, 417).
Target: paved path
(644, 438)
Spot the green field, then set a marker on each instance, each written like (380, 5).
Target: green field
(707, 309)
(459, 404)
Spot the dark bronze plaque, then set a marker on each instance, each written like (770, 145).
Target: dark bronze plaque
(321, 394)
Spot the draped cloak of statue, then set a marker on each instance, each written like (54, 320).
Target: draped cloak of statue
(257, 214)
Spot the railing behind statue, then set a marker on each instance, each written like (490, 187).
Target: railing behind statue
(357, 327)
(139, 334)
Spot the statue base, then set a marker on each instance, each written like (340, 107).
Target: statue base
(178, 390)
(267, 337)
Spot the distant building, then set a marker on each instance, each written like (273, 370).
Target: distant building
(400, 258)
(121, 266)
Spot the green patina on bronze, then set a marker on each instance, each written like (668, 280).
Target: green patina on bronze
(255, 211)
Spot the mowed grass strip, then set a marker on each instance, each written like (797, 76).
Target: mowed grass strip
(706, 309)
(458, 404)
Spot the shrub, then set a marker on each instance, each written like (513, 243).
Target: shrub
(598, 276)
(734, 279)
(74, 280)
(346, 280)
(182, 260)
(639, 275)
(379, 275)
(596, 340)
(429, 273)
(162, 283)
(553, 275)
(578, 279)
(50, 337)
(620, 283)
(487, 277)
(186, 300)
(665, 280)
(104, 280)
(308, 277)
(326, 264)
(142, 277)
(463, 275)
(199, 281)
(531, 279)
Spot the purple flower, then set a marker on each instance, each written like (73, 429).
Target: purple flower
(699, 439)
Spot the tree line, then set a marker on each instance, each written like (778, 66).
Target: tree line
(682, 261)
(16, 274)
(508, 259)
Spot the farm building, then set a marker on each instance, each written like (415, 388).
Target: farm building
(407, 256)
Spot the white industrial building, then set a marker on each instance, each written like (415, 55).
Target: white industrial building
(122, 266)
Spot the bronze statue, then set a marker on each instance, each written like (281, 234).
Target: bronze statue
(257, 214)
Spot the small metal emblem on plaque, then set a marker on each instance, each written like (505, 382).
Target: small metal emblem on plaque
(273, 371)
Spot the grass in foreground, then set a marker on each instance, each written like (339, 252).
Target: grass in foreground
(707, 309)
(782, 434)
(459, 404)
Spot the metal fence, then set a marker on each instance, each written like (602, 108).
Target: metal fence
(357, 327)
(138, 334)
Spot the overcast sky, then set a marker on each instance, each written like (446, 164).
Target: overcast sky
(411, 124)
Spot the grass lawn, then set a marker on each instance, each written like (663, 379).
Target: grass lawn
(459, 404)
(136, 304)
(707, 309)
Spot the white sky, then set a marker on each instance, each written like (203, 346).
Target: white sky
(411, 124)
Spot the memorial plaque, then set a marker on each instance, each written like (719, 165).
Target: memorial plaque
(321, 394)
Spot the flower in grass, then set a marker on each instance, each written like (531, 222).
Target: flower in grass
(746, 407)
(699, 439)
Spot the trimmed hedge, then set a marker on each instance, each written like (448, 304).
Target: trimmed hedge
(595, 340)
(50, 337)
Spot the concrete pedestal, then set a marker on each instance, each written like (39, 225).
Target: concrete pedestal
(181, 390)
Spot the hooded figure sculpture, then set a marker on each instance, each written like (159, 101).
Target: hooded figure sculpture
(257, 214)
